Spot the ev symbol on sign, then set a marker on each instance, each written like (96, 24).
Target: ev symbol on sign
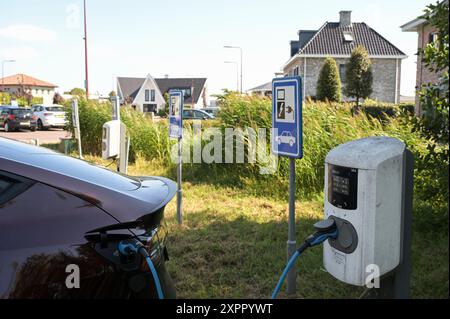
(287, 117)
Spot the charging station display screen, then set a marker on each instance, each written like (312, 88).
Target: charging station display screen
(343, 187)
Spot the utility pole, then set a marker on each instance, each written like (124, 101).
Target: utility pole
(240, 50)
(237, 73)
(86, 53)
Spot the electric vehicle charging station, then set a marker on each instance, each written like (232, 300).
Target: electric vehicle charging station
(368, 217)
(368, 193)
(115, 143)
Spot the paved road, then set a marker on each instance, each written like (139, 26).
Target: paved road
(44, 137)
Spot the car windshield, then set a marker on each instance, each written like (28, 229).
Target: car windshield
(20, 111)
(54, 108)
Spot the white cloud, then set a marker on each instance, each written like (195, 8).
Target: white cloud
(20, 53)
(28, 33)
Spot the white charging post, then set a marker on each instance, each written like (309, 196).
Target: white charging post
(115, 143)
(76, 126)
(368, 192)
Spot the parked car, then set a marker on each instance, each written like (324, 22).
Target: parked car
(191, 114)
(212, 110)
(46, 116)
(286, 138)
(58, 213)
(14, 118)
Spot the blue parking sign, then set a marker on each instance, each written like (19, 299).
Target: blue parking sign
(176, 114)
(287, 117)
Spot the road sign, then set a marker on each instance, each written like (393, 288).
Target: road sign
(287, 117)
(176, 114)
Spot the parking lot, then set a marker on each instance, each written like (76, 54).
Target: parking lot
(43, 137)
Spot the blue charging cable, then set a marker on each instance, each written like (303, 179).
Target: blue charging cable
(137, 247)
(326, 229)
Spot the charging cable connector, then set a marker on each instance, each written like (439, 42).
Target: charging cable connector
(130, 247)
(325, 229)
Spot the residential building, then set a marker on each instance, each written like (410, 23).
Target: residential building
(147, 94)
(337, 40)
(22, 83)
(426, 34)
(262, 90)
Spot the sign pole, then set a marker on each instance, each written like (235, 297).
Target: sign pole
(176, 132)
(76, 125)
(179, 179)
(287, 140)
(291, 243)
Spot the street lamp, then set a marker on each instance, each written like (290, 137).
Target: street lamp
(237, 73)
(3, 70)
(240, 49)
(3, 76)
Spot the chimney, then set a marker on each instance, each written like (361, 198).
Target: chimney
(345, 18)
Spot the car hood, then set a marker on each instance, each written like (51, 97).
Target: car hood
(123, 197)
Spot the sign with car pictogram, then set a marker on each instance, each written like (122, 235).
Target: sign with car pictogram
(287, 117)
(175, 114)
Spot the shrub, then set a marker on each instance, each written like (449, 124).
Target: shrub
(329, 82)
(358, 75)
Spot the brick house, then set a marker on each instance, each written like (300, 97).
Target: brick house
(426, 34)
(20, 83)
(336, 40)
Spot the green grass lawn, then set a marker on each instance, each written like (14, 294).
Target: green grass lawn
(232, 244)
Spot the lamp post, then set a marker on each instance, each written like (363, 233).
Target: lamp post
(86, 53)
(240, 50)
(237, 73)
(3, 69)
(3, 75)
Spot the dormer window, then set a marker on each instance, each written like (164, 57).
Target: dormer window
(348, 36)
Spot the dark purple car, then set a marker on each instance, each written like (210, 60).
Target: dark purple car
(62, 220)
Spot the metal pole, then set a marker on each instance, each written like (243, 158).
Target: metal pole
(179, 179)
(241, 68)
(76, 124)
(291, 243)
(86, 52)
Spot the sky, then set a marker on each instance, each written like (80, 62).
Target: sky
(179, 38)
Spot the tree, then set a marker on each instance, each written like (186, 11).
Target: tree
(58, 99)
(433, 122)
(112, 93)
(358, 75)
(80, 93)
(329, 83)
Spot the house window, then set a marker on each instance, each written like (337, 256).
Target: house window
(433, 37)
(296, 71)
(152, 95)
(348, 36)
(147, 95)
(342, 72)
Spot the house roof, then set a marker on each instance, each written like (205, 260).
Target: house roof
(23, 79)
(130, 86)
(413, 25)
(329, 40)
(264, 87)
(179, 83)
